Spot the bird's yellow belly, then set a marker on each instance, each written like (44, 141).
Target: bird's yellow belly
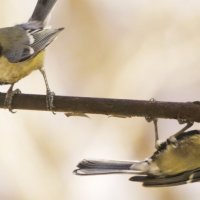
(13, 72)
(185, 157)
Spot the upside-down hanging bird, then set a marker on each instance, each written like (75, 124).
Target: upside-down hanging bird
(175, 162)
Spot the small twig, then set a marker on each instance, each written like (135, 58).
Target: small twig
(113, 107)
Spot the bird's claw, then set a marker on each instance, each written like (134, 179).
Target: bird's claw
(50, 101)
(9, 99)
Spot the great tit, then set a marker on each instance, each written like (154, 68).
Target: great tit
(22, 49)
(176, 161)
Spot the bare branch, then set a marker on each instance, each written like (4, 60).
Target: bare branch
(113, 107)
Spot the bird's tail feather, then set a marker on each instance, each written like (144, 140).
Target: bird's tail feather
(42, 10)
(98, 167)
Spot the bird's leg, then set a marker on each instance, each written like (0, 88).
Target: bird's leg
(187, 126)
(173, 139)
(9, 97)
(49, 94)
(155, 122)
(157, 141)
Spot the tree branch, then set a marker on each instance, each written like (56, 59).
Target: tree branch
(115, 107)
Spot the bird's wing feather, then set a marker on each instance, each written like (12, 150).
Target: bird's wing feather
(29, 46)
(179, 179)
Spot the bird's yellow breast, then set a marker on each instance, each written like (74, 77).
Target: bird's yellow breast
(185, 157)
(13, 72)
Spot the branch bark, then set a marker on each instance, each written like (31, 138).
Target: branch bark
(114, 107)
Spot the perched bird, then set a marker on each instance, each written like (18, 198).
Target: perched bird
(22, 49)
(176, 161)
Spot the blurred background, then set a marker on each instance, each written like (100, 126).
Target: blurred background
(113, 49)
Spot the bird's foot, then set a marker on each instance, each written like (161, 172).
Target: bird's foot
(9, 99)
(50, 100)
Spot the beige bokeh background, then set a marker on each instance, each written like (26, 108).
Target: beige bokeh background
(119, 49)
